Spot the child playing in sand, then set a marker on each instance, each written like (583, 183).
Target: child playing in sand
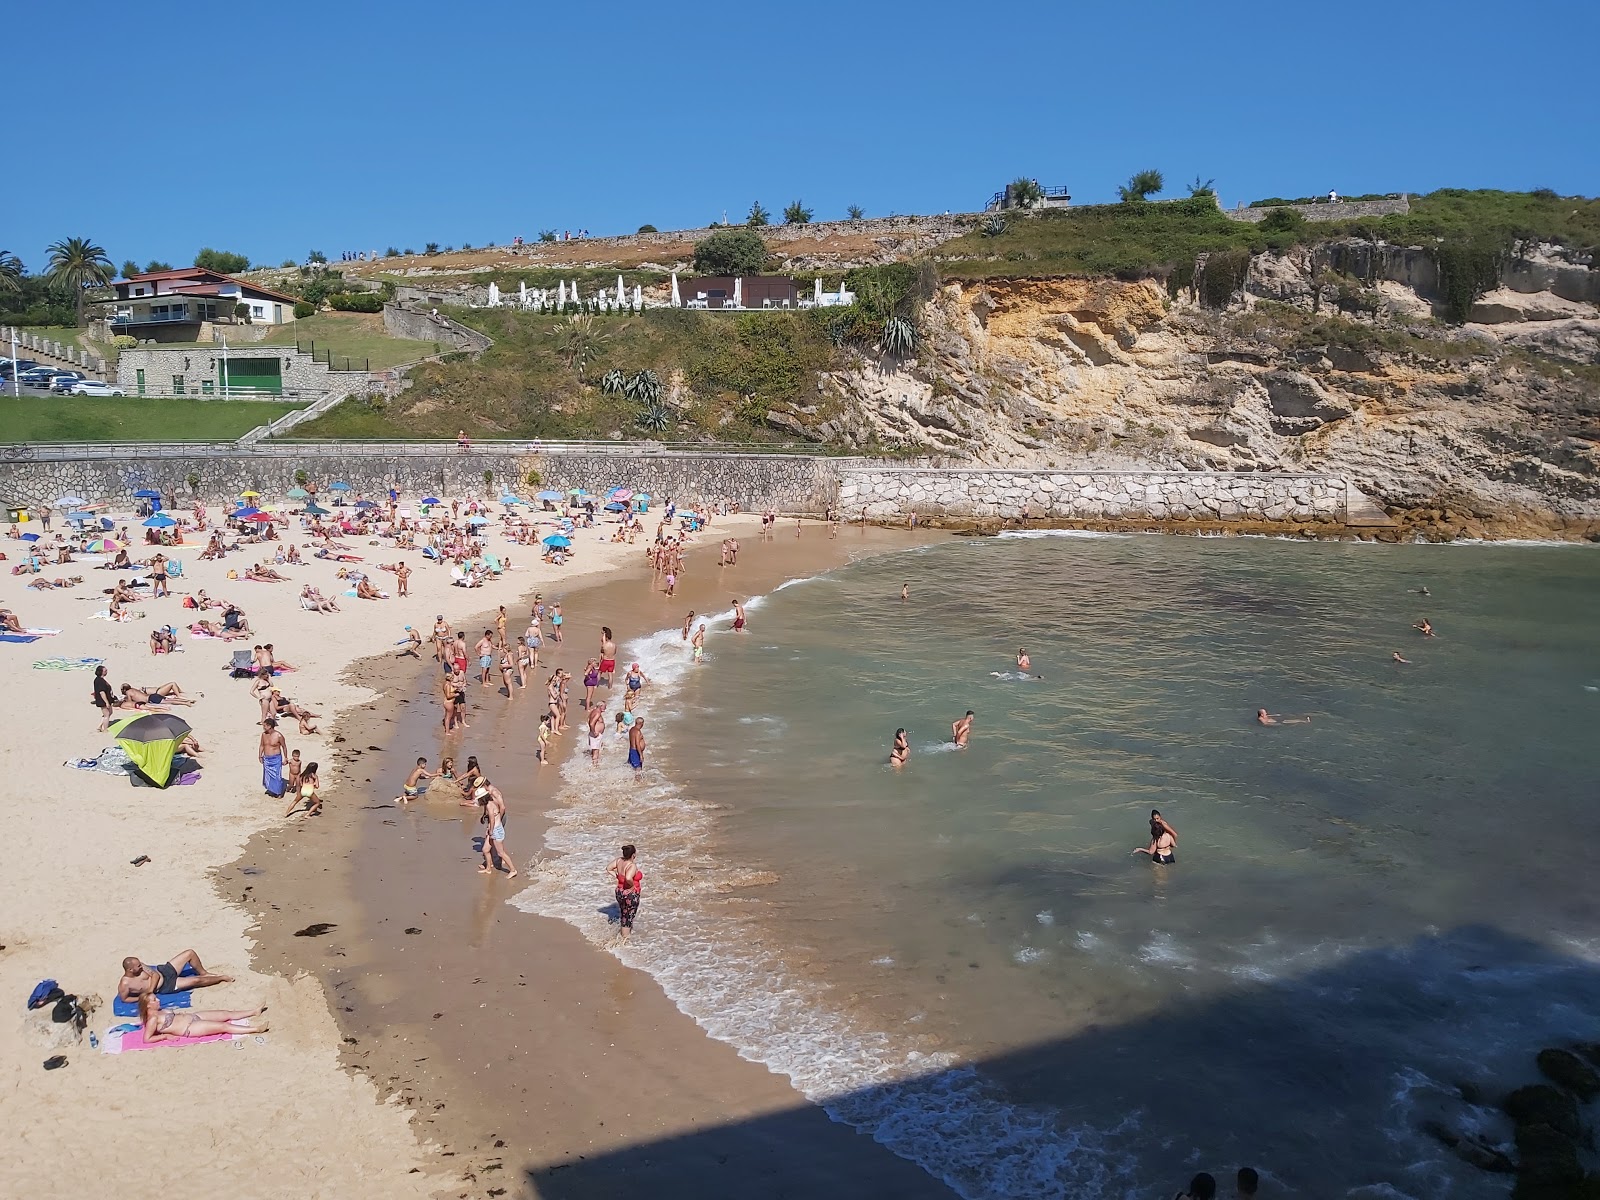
(414, 786)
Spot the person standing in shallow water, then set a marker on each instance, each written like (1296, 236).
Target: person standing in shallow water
(629, 879)
(901, 750)
(1163, 847)
(961, 730)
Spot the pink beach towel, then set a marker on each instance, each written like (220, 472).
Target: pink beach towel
(133, 1039)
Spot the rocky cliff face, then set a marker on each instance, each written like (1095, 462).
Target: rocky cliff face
(1491, 429)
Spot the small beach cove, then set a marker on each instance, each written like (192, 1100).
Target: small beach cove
(582, 1070)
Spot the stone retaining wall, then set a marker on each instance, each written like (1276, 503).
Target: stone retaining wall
(62, 352)
(1344, 210)
(751, 481)
(1161, 496)
(447, 334)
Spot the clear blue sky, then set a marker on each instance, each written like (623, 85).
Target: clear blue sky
(272, 129)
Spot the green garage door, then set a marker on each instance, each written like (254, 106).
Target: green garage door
(263, 374)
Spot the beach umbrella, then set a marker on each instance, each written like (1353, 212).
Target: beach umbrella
(548, 496)
(738, 291)
(160, 521)
(508, 498)
(366, 504)
(340, 485)
(616, 506)
(557, 541)
(70, 502)
(251, 493)
(260, 518)
(102, 546)
(78, 518)
(677, 300)
(298, 493)
(622, 494)
(244, 514)
(311, 510)
(641, 495)
(151, 739)
(430, 500)
(147, 494)
(475, 519)
(561, 293)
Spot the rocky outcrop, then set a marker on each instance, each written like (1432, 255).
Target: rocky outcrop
(1486, 430)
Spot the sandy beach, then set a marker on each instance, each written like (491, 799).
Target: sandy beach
(251, 1116)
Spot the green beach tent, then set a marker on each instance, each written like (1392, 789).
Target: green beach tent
(151, 739)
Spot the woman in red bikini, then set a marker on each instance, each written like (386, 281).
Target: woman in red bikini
(629, 879)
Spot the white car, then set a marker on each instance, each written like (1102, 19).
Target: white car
(93, 387)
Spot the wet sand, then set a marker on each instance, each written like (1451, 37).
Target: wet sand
(538, 1064)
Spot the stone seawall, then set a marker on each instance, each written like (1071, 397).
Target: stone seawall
(1155, 495)
(1343, 210)
(751, 481)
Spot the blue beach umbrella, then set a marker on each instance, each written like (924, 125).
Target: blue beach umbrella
(160, 521)
(70, 501)
(312, 510)
(477, 520)
(430, 500)
(147, 494)
(297, 493)
(366, 504)
(549, 495)
(77, 518)
(641, 495)
(616, 506)
(510, 498)
(340, 485)
(556, 540)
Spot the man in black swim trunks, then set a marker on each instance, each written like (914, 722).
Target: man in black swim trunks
(164, 978)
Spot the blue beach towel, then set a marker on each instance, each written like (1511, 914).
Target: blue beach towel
(19, 637)
(272, 775)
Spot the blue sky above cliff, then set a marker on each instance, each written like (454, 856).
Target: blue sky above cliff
(356, 125)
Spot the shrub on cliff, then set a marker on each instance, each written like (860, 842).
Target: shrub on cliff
(730, 252)
(304, 309)
(366, 302)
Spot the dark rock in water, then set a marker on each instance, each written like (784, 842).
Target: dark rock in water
(1565, 1069)
(1590, 1051)
(315, 930)
(1541, 1104)
(1547, 1163)
(1470, 1149)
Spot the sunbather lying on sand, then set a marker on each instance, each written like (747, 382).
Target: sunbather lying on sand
(160, 979)
(46, 584)
(167, 693)
(163, 1023)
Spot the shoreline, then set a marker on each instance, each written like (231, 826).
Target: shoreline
(541, 1105)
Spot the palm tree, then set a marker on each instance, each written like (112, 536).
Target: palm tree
(1024, 192)
(797, 214)
(758, 215)
(76, 265)
(10, 272)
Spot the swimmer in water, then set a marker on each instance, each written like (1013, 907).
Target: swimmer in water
(961, 730)
(738, 617)
(1396, 657)
(901, 750)
(1425, 627)
(1422, 591)
(1263, 717)
(1163, 847)
(905, 592)
(1024, 663)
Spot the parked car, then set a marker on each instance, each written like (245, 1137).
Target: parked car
(37, 377)
(93, 387)
(64, 380)
(20, 364)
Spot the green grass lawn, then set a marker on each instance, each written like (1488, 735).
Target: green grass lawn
(351, 335)
(52, 333)
(132, 419)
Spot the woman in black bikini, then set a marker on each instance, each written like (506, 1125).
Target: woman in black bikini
(1163, 847)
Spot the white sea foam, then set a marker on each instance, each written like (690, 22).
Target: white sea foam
(1028, 954)
(1045, 918)
(719, 970)
(1061, 533)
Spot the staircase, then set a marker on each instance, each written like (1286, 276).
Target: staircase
(1360, 512)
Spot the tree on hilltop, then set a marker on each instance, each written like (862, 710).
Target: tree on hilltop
(1025, 192)
(730, 252)
(797, 214)
(221, 261)
(75, 266)
(10, 272)
(1203, 189)
(758, 215)
(154, 265)
(855, 212)
(1142, 186)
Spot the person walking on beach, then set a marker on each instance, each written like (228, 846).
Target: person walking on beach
(555, 622)
(597, 731)
(485, 652)
(636, 745)
(442, 640)
(629, 880)
(591, 680)
(634, 680)
(738, 617)
(1163, 845)
(697, 647)
(508, 666)
(402, 577)
(525, 662)
(901, 750)
(608, 656)
(961, 730)
(271, 752)
(500, 625)
(688, 623)
(308, 793)
(494, 840)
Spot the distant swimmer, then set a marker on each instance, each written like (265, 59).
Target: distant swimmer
(1163, 847)
(738, 617)
(901, 750)
(1422, 591)
(1396, 657)
(1425, 627)
(905, 591)
(1263, 717)
(1024, 663)
(961, 730)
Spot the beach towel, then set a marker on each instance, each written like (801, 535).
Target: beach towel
(116, 1042)
(42, 632)
(67, 664)
(130, 1008)
(272, 775)
(19, 637)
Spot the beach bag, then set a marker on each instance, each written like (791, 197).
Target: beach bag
(190, 602)
(48, 991)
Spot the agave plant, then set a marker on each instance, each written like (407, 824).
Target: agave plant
(994, 226)
(613, 382)
(645, 387)
(899, 336)
(654, 417)
(578, 340)
(838, 333)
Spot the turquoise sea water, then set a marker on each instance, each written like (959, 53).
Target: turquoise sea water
(1368, 911)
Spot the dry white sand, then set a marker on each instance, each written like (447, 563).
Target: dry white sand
(241, 1118)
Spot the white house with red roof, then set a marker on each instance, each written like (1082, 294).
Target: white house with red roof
(178, 306)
